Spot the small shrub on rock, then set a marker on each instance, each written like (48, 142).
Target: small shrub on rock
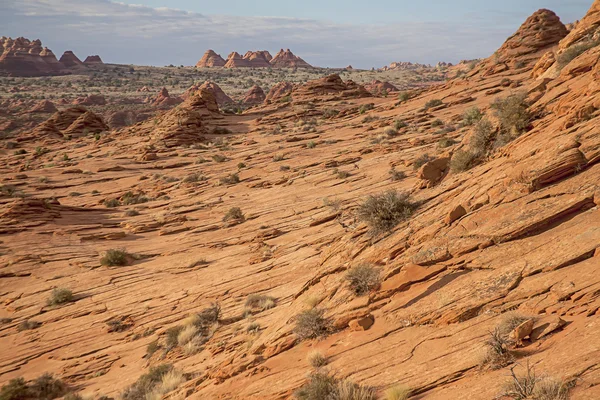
(384, 211)
(472, 116)
(234, 214)
(462, 161)
(513, 113)
(362, 279)
(433, 103)
(115, 258)
(311, 324)
(60, 296)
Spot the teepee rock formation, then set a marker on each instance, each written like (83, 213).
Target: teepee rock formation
(211, 59)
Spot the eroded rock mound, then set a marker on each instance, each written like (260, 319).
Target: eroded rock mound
(254, 96)
(378, 87)
(235, 60)
(287, 59)
(44, 106)
(279, 91)
(221, 97)
(331, 85)
(258, 59)
(91, 100)
(74, 122)
(165, 100)
(93, 60)
(70, 60)
(211, 59)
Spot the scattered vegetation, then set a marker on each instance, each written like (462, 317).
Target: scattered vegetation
(436, 123)
(574, 51)
(115, 258)
(531, 387)
(397, 393)
(260, 301)
(28, 325)
(384, 211)
(513, 114)
(230, 179)
(366, 107)
(60, 296)
(433, 103)
(321, 386)
(311, 324)
(234, 214)
(46, 387)
(131, 198)
(462, 160)
(112, 203)
(421, 160)
(316, 359)
(399, 124)
(472, 116)
(362, 279)
(396, 175)
(483, 136)
(219, 158)
(157, 382)
(446, 142)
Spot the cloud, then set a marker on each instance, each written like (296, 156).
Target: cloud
(137, 34)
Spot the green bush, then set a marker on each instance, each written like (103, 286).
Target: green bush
(575, 51)
(362, 279)
(433, 103)
(146, 383)
(230, 179)
(60, 296)
(472, 116)
(234, 214)
(384, 211)
(114, 258)
(483, 136)
(462, 161)
(513, 113)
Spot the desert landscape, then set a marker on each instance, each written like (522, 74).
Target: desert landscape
(256, 227)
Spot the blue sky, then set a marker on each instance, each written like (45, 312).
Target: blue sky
(332, 33)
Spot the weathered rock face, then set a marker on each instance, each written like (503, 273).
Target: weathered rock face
(586, 29)
(235, 60)
(221, 97)
(211, 59)
(93, 60)
(254, 96)
(70, 60)
(378, 87)
(287, 59)
(22, 57)
(281, 89)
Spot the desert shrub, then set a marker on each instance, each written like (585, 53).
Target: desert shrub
(114, 258)
(404, 96)
(551, 389)
(220, 130)
(146, 383)
(341, 174)
(397, 393)
(117, 325)
(483, 136)
(472, 116)
(366, 107)
(370, 118)
(396, 175)
(433, 103)
(509, 322)
(241, 165)
(230, 179)
(73, 396)
(234, 214)
(15, 389)
(260, 301)
(362, 279)
(574, 51)
(384, 211)
(311, 145)
(513, 114)
(47, 387)
(60, 296)
(194, 178)
(219, 158)
(172, 335)
(399, 124)
(321, 386)
(152, 348)
(390, 132)
(421, 160)
(112, 203)
(446, 142)
(278, 157)
(462, 161)
(521, 387)
(436, 123)
(498, 354)
(131, 198)
(132, 213)
(316, 359)
(311, 324)
(28, 325)
(254, 327)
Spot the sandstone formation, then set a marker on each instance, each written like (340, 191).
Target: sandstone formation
(93, 60)
(211, 59)
(241, 237)
(258, 59)
(70, 60)
(22, 57)
(235, 60)
(44, 106)
(91, 100)
(254, 96)
(287, 59)
(221, 97)
(72, 122)
(165, 100)
(280, 90)
(378, 87)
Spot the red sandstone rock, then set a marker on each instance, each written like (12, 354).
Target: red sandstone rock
(254, 96)
(70, 60)
(287, 59)
(378, 87)
(235, 60)
(93, 60)
(211, 59)
(280, 90)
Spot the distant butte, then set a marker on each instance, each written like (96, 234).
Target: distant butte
(253, 59)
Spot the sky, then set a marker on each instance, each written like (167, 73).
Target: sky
(327, 33)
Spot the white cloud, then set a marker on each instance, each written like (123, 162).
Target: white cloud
(138, 34)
